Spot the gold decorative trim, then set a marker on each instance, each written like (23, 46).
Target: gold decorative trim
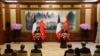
(66, 6)
(34, 6)
(3, 5)
(77, 6)
(12, 6)
(88, 5)
(23, 6)
(50, 6)
(55, 6)
(45, 6)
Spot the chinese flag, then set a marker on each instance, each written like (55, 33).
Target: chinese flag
(42, 29)
(66, 25)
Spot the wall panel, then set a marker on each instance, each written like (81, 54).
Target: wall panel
(13, 16)
(98, 20)
(3, 16)
(88, 16)
(1, 26)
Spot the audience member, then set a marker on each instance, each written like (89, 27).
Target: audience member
(98, 49)
(77, 52)
(84, 49)
(22, 49)
(36, 50)
(70, 50)
(8, 49)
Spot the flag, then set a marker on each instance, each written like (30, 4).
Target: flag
(66, 26)
(42, 29)
(34, 27)
(58, 29)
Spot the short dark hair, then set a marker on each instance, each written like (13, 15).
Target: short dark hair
(83, 44)
(69, 46)
(97, 46)
(8, 46)
(35, 46)
(22, 46)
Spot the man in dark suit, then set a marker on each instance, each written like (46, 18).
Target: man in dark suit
(8, 49)
(63, 39)
(38, 38)
(22, 49)
(70, 50)
(98, 49)
(36, 50)
(84, 49)
(77, 51)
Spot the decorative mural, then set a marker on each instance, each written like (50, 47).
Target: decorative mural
(51, 18)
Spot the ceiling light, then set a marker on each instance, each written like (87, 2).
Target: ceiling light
(90, 0)
(51, 1)
(10, 1)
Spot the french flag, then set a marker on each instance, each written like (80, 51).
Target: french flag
(34, 27)
(58, 29)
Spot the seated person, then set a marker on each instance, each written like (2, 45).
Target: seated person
(77, 52)
(22, 49)
(8, 49)
(84, 49)
(70, 50)
(36, 50)
(98, 49)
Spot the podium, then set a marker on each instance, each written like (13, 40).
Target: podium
(16, 35)
(84, 35)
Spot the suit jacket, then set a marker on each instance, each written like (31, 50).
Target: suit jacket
(36, 51)
(8, 50)
(37, 31)
(22, 51)
(77, 52)
(69, 51)
(97, 51)
(85, 50)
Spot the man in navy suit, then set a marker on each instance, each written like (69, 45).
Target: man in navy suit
(38, 38)
(70, 50)
(63, 38)
(22, 49)
(98, 49)
(36, 50)
(8, 49)
(84, 49)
